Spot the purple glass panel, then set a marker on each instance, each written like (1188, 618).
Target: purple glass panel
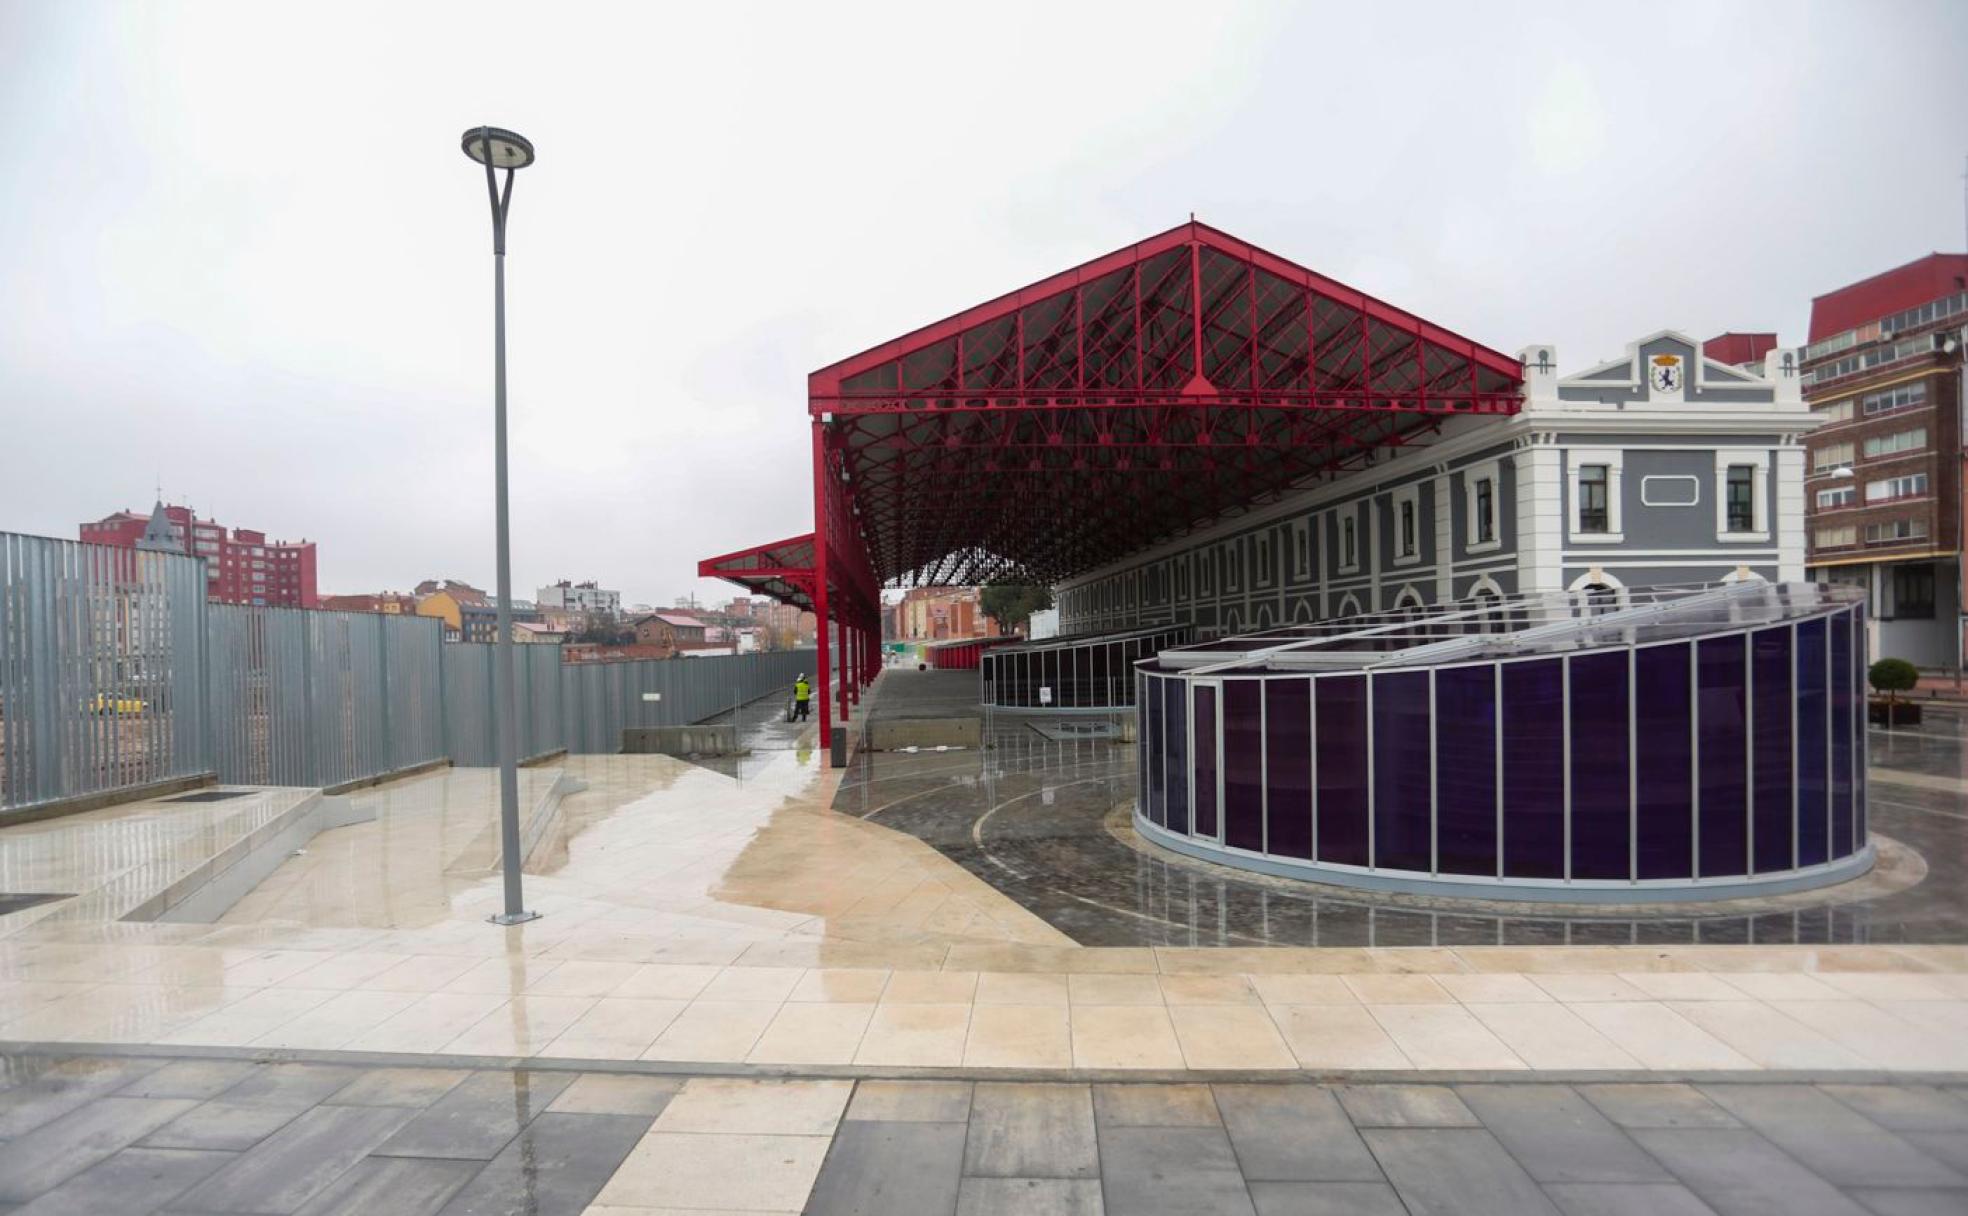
(1401, 810)
(1155, 779)
(1724, 780)
(1602, 821)
(1175, 707)
(1288, 766)
(1662, 700)
(1813, 806)
(1861, 664)
(1465, 777)
(1341, 830)
(1243, 764)
(1205, 760)
(1843, 724)
(1773, 817)
(1534, 769)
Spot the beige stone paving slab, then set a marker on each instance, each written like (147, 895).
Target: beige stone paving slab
(1766, 1035)
(1292, 989)
(697, 1172)
(731, 1105)
(1782, 986)
(1018, 1036)
(1659, 1037)
(1546, 1034)
(1476, 987)
(348, 969)
(1337, 1037)
(666, 981)
(600, 1093)
(915, 1033)
(852, 985)
(522, 1026)
(711, 1031)
(752, 984)
(1229, 1037)
(1397, 990)
(246, 1019)
(930, 987)
(1208, 990)
(1444, 1036)
(1124, 1036)
(1104, 989)
(427, 1024)
(1575, 987)
(1886, 985)
(1682, 986)
(580, 977)
(615, 1028)
(813, 1032)
(333, 1023)
(1021, 988)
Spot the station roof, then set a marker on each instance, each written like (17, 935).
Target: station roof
(1074, 421)
(782, 570)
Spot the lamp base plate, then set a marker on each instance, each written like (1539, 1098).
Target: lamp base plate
(512, 918)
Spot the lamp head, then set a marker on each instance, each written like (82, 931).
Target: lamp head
(505, 149)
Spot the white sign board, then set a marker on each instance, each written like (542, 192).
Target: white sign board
(1045, 695)
(652, 696)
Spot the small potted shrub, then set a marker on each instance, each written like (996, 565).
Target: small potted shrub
(1892, 677)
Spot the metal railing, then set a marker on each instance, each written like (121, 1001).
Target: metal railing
(116, 672)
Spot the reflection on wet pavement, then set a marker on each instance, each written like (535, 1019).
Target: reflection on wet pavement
(1044, 821)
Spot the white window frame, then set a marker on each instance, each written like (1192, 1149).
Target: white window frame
(1758, 459)
(1612, 459)
(1840, 498)
(1491, 471)
(1409, 497)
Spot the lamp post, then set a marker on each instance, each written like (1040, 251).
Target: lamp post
(498, 149)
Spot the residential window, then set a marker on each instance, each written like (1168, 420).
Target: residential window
(1843, 496)
(1593, 515)
(1836, 538)
(1407, 529)
(1742, 498)
(1895, 530)
(1903, 397)
(1910, 486)
(1913, 593)
(1831, 456)
(1899, 441)
(1349, 549)
(1485, 510)
(1836, 411)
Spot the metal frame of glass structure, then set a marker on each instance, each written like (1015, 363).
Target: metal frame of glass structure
(1602, 746)
(1082, 671)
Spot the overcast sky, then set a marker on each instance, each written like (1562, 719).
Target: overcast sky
(241, 253)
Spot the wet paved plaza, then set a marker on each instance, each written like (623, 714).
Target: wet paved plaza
(130, 1135)
(1046, 823)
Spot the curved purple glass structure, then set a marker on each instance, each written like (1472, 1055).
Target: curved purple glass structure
(1673, 744)
(1075, 671)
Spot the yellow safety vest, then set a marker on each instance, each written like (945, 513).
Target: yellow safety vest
(802, 691)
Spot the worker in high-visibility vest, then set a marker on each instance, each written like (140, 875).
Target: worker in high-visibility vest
(802, 697)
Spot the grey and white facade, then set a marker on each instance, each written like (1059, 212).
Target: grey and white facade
(1656, 468)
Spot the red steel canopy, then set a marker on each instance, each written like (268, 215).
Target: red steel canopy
(1070, 423)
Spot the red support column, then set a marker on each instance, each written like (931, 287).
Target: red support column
(820, 671)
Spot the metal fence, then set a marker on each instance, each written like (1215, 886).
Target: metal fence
(116, 672)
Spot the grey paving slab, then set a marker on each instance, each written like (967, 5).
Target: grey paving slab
(1326, 1199)
(1890, 1201)
(1029, 1197)
(1155, 1106)
(398, 1087)
(1405, 1106)
(554, 1168)
(1557, 1136)
(218, 1125)
(1458, 1170)
(47, 1156)
(600, 1093)
(1949, 1148)
(890, 1169)
(911, 1101)
(1171, 1171)
(51, 1087)
(1739, 1173)
(189, 1079)
(292, 1085)
(133, 1180)
(392, 1186)
(1905, 1108)
(298, 1162)
(1652, 1105)
(1626, 1199)
(1032, 1131)
(480, 1116)
(1293, 1133)
(1840, 1145)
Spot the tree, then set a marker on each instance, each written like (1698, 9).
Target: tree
(1012, 604)
(1893, 677)
(602, 628)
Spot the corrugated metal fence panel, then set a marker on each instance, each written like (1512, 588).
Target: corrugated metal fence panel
(90, 641)
(413, 651)
(467, 671)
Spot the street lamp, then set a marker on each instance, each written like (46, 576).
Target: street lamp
(499, 149)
